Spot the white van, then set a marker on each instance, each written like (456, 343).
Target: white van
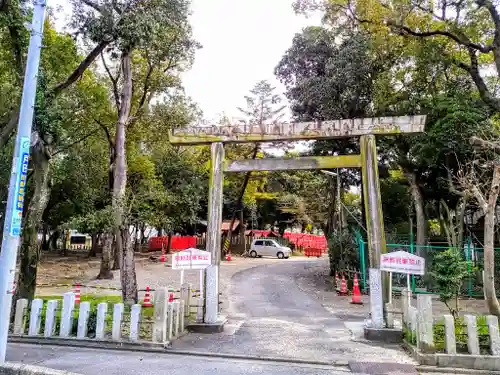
(270, 248)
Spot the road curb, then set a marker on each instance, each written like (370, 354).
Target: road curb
(453, 370)
(163, 349)
(336, 363)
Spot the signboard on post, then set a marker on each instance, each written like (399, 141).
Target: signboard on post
(191, 259)
(402, 262)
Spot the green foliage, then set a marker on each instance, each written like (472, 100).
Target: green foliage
(448, 271)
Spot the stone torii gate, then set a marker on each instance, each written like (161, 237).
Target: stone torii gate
(365, 128)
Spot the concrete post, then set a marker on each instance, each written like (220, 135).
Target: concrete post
(405, 305)
(389, 317)
(67, 314)
(102, 310)
(135, 318)
(176, 318)
(375, 228)
(472, 336)
(492, 322)
(186, 290)
(160, 316)
(83, 318)
(50, 318)
(35, 317)
(170, 321)
(425, 320)
(116, 332)
(182, 324)
(19, 319)
(450, 341)
(214, 232)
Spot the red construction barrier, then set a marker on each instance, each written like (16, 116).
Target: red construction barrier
(177, 243)
(309, 252)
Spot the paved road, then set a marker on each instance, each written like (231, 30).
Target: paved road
(270, 316)
(92, 362)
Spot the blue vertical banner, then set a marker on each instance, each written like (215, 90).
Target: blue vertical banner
(22, 175)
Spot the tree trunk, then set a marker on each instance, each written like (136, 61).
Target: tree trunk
(53, 239)
(128, 275)
(143, 234)
(45, 242)
(107, 249)
(66, 242)
(169, 243)
(115, 254)
(30, 247)
(418, 203)
(93, 247)
(239, 202)
(123, 244)
(137, 238)
(489, 241)
(242, 230)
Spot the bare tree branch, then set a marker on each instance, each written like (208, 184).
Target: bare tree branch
(106, 131)
(94, 6)
(476, 141)
(80, 69)
(114, 81)
(75, 142)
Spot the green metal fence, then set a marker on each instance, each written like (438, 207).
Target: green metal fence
(473, 285)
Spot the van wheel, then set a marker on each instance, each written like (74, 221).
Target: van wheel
(280, 255)
(253, 254)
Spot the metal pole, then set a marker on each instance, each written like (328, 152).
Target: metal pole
(341, 226)
(15, 201)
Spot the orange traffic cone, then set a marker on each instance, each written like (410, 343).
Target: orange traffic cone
(77, 294)
(356, 293)
(228, 257)
(162, 258)
(343, 286)
(147, 298)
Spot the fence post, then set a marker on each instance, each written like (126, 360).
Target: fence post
(469, 267)
(68, 307)
(472, 337)
(50, 318)
(425, 336)
(186, 291)
(449, 335)
(83, 319)
(160, 316)
(19, 319)
(492, 322)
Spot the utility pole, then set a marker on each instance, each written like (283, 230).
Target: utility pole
(17, 186)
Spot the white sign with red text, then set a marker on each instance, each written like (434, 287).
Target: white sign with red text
(191, 259)
(402, 262)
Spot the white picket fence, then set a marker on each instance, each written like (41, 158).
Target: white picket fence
(168, 321)
(419, 321)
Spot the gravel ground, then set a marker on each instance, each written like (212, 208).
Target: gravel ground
(152, 274)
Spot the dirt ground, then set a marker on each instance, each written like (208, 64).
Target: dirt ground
(57, 275)
(320, 285)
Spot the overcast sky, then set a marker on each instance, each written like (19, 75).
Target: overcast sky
(243, 40)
